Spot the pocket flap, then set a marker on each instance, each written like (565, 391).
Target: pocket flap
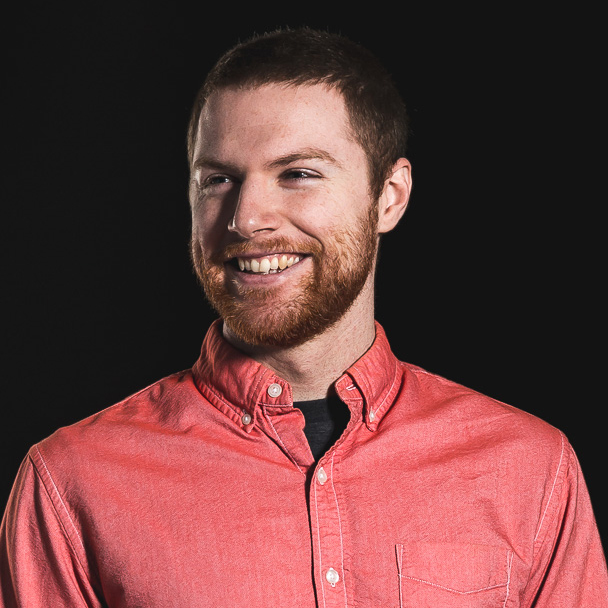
(453, 567)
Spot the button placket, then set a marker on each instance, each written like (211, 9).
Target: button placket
(328, 550)
(281, 422)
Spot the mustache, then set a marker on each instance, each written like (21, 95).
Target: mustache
(270, 245)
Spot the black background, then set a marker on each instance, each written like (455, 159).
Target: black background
(492, 279)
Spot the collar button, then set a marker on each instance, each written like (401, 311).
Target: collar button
(274, 390)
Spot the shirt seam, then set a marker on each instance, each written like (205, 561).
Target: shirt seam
(506, 584)
(389, 392)
(509, 566)
(472, 592)
(255, 390)
(333, 487)
(549, 501)
(207, 388)
(319, 543)
(60, 520)
(399, 552)
(362, 378)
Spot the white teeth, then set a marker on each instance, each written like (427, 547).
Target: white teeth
(267, 265)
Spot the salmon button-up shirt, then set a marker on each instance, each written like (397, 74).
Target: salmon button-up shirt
(201, 491)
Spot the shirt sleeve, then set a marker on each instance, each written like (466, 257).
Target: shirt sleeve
(39, 564)
(570, 565)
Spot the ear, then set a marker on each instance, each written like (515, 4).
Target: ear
(395, 196)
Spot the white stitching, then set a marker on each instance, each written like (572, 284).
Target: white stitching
(400, 569)
(61, 499)
(319, 542)
(388, 392)
(399, 554)
(279, 438)
(420, 580)
(84, 570)
(339, 525)
(559, 466)
(207, 388)
(254, 387)
(509, 564)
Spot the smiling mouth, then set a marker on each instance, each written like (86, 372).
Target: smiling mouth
(268, 264)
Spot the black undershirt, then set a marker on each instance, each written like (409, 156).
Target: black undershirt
(326, 420)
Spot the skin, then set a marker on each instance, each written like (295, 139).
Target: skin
(276, 167)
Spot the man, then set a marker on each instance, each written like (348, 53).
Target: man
(299, 463)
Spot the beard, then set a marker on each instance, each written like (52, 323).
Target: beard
(261, 317)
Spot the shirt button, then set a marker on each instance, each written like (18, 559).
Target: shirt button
(321, 476)
(246, 419)
(332, 577)
(372, 415)
(274, 390)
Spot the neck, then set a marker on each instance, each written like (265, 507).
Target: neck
(312, 368)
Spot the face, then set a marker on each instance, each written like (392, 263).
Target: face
(284, 232)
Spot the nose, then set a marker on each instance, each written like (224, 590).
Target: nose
(255, 210)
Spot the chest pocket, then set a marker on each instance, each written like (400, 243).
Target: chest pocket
(448, 575)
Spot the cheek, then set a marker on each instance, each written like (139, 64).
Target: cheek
(334, 212)
(209, 225)
(318, 212)
(204, 244)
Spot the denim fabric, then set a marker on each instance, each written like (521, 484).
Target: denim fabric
(201, 490)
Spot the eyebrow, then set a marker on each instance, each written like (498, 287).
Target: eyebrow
(212, 163)
(304, 154)
(277, 163)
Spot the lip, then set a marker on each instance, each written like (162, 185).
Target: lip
(267, 254)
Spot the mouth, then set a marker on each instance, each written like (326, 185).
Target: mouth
(266, 264)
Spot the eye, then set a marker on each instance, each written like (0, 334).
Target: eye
(213, 180)
(216, 183)
(300, 174)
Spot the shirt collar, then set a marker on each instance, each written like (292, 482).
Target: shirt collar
(238, 385)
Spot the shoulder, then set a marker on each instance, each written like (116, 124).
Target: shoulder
(480, 418)
(527, 462)
(161, 405)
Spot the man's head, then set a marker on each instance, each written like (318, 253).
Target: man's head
(287, 199)
(378, 118)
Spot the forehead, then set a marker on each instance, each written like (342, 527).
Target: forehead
(275, 119)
